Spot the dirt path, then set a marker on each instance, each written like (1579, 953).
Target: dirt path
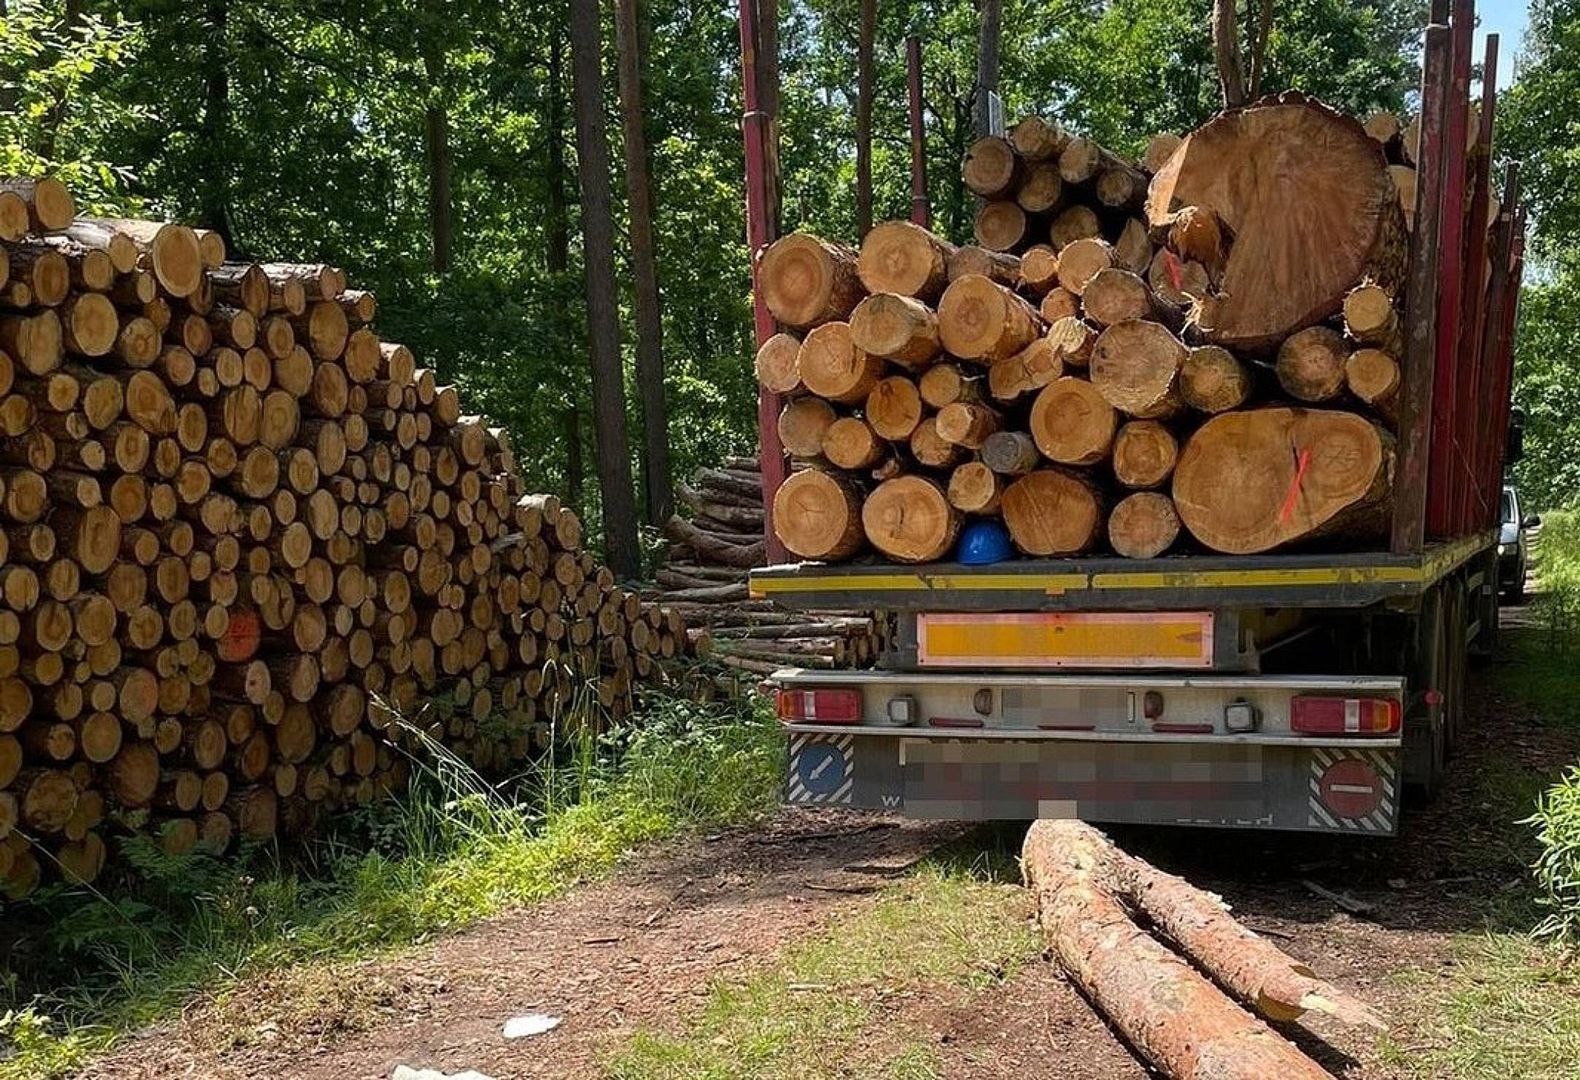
(643, 950)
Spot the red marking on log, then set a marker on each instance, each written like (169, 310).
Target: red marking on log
(241, 639)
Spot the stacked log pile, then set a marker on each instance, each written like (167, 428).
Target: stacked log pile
(704, 579)
(249, 552)
(1184, 353)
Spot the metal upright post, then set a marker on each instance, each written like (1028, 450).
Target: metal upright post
(757, 130)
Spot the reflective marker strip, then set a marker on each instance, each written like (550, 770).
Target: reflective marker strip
(1352, 715)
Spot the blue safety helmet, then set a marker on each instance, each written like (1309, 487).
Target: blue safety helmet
(983, 542)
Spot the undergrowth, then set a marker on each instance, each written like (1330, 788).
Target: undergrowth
(85, 966)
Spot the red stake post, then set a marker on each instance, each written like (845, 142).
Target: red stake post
(1471, 497)
(1447, 472)
(757, 130)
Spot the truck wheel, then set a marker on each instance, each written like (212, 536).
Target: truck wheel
(1456, 640)
(1482, 607)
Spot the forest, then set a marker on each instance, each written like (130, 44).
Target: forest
(430, 148)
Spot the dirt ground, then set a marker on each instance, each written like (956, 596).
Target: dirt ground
(641, 950)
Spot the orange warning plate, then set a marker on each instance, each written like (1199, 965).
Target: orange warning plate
(1168, 639)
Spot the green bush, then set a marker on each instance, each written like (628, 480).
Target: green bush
(1557, 821)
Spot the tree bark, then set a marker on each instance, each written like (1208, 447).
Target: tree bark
(866, 32)
(1226, 52)
(603, 331)
(630, 36)
(436, 126)
(216, 121)
(989, 34)
(558, 259)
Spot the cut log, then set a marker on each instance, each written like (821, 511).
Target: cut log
(850, 443)
(806, 281)
(991, 167)
(1404, 181)
(1135, 366)
(1176, 281)
(1083, 161)
(966, 425)
(50, 207)
(1034, 367)
(909, 519)
(1039, 270)
(1177, 1020)
(1114, 296)
(832, 367)
(1144, 454)
(1052, 512)
(1078, 222)
(1311, 364)
(1072, 423)
(1040, 188)
(1213, 380)
(897, 328)
(894, 408)
(1143, 525)
(1010, 453)
(975, 489)
(817, 515)
(1036, 139)
(1000, 225)
(1252, 481)
(802, 424)
(1332, 182)
(1373, 377)
(1160, 148)
(1197, 234)
(1371, 319)
(983, 321)
(995, 265)
(682, 531)
(1121, 186)
(904, 258)
(174, 251)
(1133, 249)
(1060, 303)
(945, 384)
(1081, 260)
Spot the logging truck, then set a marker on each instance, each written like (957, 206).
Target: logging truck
(1297, 679)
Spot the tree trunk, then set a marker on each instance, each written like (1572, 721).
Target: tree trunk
(436, 127)
(216, 122)
(614, 455)
(558, 259)
(988, 39)
(1226, 52)
(630, 36)
(867, 30)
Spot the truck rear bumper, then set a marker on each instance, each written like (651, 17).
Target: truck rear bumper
(1333, 789)
(1013, 747)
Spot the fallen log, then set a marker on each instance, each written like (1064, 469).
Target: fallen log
(682, 531)
(1174, 1017)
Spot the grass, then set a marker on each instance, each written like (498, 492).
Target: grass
(82, 970)
(835, 1000)
(1509, 1006)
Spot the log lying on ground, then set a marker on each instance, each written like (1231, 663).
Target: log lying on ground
(1179, 1021)
(1293, 256)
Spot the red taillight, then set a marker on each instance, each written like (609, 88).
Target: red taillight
(820, 706)
(1311, 715)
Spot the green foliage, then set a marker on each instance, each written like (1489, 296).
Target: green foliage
(83, 969)
(1557, 825)
(56, 114)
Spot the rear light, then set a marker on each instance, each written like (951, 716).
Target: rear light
(1311, 715)
(820, 706)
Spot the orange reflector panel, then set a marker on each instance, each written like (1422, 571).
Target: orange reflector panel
(1156, 639)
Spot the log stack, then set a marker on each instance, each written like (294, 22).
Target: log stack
(250, 554)
(1199, 351)
(704, 579)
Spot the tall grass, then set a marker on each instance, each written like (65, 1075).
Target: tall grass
(83, 967)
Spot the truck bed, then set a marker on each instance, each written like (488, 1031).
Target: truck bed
(1106, 583)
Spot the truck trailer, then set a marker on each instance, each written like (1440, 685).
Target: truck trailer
(1302, 690)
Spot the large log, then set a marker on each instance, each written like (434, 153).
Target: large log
(983, 321)
(904, 258)
(1135, 366)
(833, 367)
(806, 281)
(1251, 481)
(1052, 512)
(897, 328)
(909, 519)
(1306, 195)
(1143, 525)
(817, 515)
(1182, 1024)
(1071, 422)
